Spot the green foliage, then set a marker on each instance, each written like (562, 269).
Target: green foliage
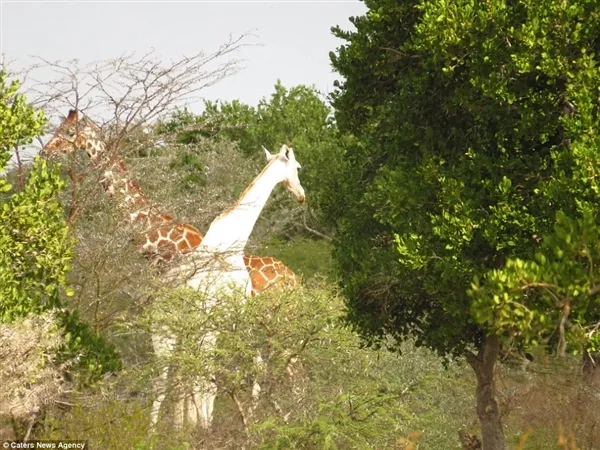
(306, 257)
(35, 242)
(88, 422)
(341, 395)
(19, 122)
(529, 296)
(36, 246)
(33, 237)
(297, 116)
(470, 195)
(94, 354)
(193, 170)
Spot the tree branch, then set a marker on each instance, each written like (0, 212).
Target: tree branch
(313, 231)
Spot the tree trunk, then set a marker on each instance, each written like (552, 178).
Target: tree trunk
(492, 434)
(591, 369)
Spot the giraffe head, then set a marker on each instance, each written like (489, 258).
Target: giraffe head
(75, 133)
(287, 169)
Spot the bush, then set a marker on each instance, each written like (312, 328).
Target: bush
(319, 387)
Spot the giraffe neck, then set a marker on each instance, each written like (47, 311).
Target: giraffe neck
(117, 183)
(230, 231)
(96, 150)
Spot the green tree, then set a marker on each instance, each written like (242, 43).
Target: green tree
(470, 195)
(34, 238)
(298, 113)
(297, 116)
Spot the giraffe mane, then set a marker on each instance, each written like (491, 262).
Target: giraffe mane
(250, 186)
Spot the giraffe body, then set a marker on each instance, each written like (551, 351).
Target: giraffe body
(164, 239)
(218, 269)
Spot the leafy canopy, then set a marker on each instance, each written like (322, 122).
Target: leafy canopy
(471, 195)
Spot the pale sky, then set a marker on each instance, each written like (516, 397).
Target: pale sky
(295, 36)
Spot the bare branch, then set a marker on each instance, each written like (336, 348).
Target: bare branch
(240, 409)
(561, 347)
(129, 92)
(313, 231)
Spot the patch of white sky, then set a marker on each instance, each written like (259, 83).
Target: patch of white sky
(292, 38)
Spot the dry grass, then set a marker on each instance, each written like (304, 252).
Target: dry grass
(30, 380)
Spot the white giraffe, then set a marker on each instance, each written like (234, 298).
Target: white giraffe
(218, 270)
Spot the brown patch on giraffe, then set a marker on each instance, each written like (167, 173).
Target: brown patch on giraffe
(191, 228)
(152, 236)
(269, 273)
(259, 283)
(164, 218)
(183, 247)
(166, 247)
(142, 217)
(176, 233)
(193, 237)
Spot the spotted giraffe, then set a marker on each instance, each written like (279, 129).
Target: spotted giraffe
(223, 272)
(164, 238)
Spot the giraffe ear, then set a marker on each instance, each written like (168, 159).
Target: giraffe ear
(72, 117)
(286, 152)
(268, 154)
